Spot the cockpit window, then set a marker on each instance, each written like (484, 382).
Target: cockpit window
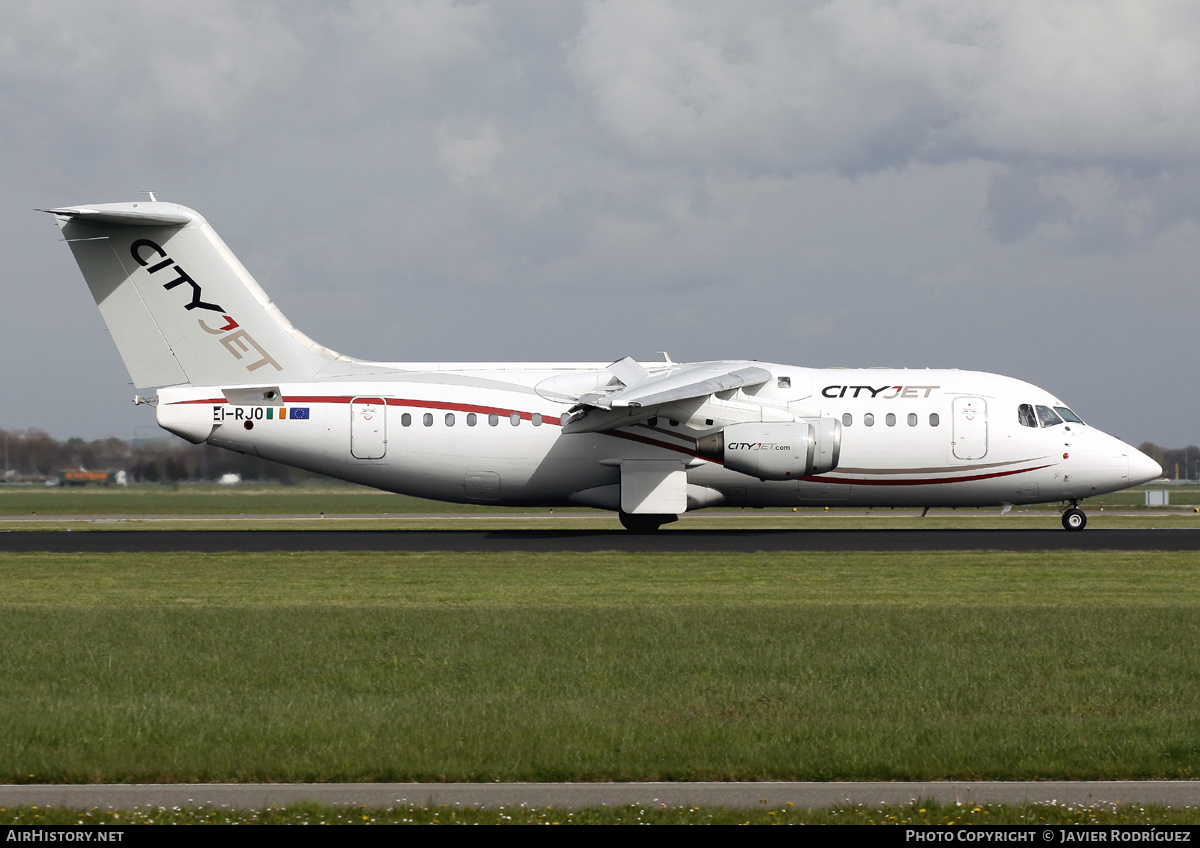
(1068, 415)
(1048, 417)
(1025, 415)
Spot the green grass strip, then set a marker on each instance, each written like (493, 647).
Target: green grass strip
(473, 667)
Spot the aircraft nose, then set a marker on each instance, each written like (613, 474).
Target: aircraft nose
(1142, 468)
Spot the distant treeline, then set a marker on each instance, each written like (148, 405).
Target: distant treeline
(32, 455)
(1177, 463)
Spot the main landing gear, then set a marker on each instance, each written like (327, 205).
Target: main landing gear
(643, 523)
(1074, 518)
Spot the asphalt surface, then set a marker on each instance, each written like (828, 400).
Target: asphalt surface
(669, 541)
(578, 795)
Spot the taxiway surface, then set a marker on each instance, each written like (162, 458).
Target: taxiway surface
(586, 541)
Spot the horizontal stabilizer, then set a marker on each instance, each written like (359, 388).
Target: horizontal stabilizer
(130, 216)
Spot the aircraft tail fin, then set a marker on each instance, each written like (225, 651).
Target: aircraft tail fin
(179, 305)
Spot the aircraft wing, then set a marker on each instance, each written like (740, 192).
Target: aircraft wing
(637, 393)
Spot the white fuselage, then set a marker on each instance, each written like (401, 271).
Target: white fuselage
(651, 440)
(492, 434)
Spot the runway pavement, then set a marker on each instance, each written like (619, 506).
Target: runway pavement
(578, 795)
(669, 541)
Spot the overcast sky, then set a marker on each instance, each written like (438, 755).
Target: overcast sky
(1002, 186)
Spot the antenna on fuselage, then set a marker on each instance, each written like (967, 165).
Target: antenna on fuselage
(153, 199)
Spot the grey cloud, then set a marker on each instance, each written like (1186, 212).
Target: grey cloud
(921, 182)
(1089, 209)
(858, 86)
(1017, 204)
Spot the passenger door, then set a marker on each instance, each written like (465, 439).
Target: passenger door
(368, 428)
(970, 436)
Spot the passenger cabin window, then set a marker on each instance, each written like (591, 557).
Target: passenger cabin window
(934, 419)
(493, 419)
(891, 419)
(449, 419)
(912, 419)
(785, 382)
(471, 419)
(847, 419)
(869, 419)
(405, 420)
(1025, 415)
(514, 419)
(537, 419)
(427, 419)
(1048, 417)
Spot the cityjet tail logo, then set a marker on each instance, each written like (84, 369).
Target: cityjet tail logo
(758, 446)
(883, 392)
(235, 340)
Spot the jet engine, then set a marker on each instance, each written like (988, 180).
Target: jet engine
(776, 450)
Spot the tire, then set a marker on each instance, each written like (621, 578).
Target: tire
(1074, 519)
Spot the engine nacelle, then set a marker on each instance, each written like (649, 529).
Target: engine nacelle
(828, 433)
(777, 450)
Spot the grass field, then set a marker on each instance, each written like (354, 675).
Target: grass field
(345, 506)
(213, 499)
(365, 667)
(917, 814)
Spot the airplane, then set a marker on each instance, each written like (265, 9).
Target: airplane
(647, 440)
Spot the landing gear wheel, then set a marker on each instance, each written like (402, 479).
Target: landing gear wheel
(1074, 519)
(641, 523)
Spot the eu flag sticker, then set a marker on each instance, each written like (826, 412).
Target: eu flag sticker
(298, 412)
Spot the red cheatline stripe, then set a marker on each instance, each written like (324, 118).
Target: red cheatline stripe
(469, 407)
(847, 481)
(633, 437)
(854, 481)
(418, 404)
(294, 399)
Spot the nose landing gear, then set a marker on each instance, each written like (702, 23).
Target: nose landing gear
(1074, 518)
